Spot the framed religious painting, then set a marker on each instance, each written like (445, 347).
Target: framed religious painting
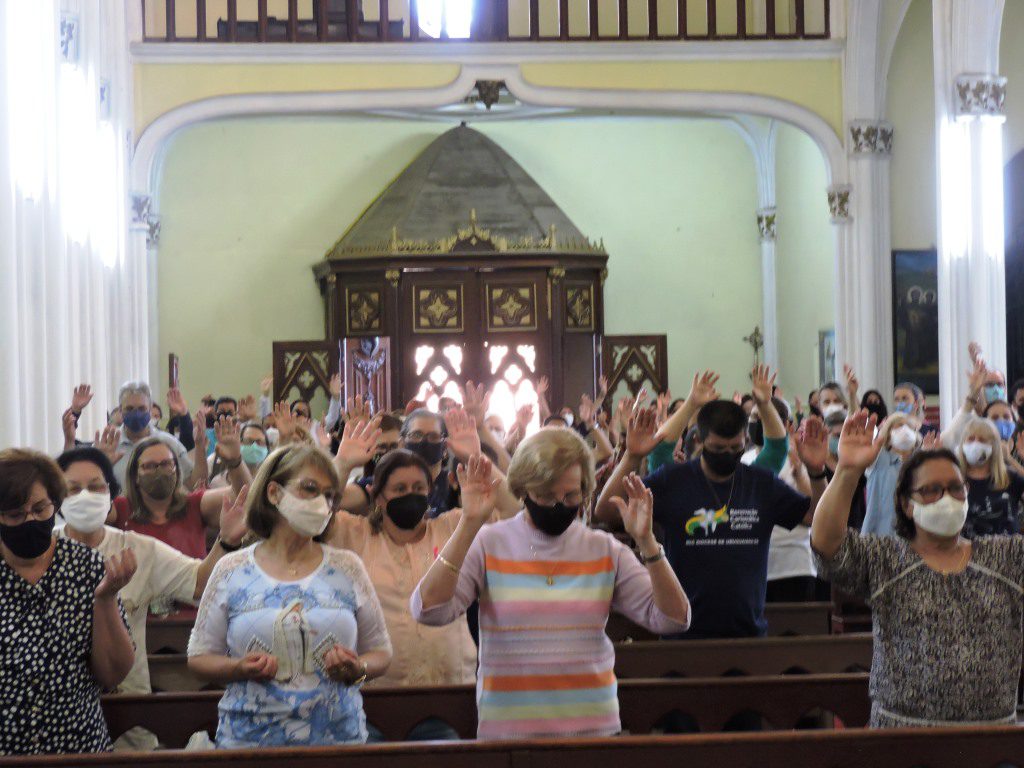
(826, 356)
(915, 312)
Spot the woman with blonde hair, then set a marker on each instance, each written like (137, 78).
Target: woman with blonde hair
(994, 491)
(292, 627)
(546, 584)
(901, 436)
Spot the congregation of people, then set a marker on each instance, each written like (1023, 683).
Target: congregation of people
(321, 557)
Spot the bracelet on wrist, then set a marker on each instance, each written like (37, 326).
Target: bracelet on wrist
(236, 465)
(659, 555)
(228, 547)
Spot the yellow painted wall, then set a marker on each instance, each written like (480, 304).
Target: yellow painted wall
(247, 206)
(804, 260)
(911, 109)
(812, 83)
(1011, 65)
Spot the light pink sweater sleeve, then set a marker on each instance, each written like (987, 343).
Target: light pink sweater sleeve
(468, 589)
(634, 595)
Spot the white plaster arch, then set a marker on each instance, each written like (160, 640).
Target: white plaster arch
(152, 144)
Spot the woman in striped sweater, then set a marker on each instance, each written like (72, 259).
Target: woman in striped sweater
(546, 584)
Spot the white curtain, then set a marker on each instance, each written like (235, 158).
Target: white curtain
(73, 296)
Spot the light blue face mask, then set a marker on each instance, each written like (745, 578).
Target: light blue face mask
(833, 445)
(1005, 427)
(907, 408)
(994, 392)
(254, 454)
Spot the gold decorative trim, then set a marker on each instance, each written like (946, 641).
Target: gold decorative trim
(472, 234)
(579, 308)
(529, 311)
(556, 274)
(367, 303)
(393, 276)
(427, 327)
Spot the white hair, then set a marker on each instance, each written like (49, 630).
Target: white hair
(134, 388)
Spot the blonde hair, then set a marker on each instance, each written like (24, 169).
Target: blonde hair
(898, 420)
(978, 427)
(261, 515)
(541, 459)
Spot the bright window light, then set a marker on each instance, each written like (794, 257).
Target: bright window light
(455, 16)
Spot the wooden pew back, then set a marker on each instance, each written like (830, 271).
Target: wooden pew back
(710, 703)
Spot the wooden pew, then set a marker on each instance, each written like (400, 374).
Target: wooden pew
(170, 633)
(665, 658)
(903, 748)
(711, 703)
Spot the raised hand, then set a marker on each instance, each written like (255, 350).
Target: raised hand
(232, 517)
(176, 403)
(976, 378)
(229, 439)
(975, 351)
(117, 572)
(798, 405)
(641, 433)
(285, 422)
(342, 665)
(202, 440)
(478, 487)
(858, 448)
(358, 443)
(256, 666)
(247, 409)
(524, 415)
(704, 388)
(357, 408)
(266, 384)
(81, 397)
(476, 398)
(108, 442)
(932, 441)
(602, 390)
(637, 510)
(542, 386)
(463, 439)
(763, 380)
(588, 412)
(69, 424)
(852, 383)
(334, 386)
(812, 444)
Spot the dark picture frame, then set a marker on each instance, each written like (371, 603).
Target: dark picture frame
(915, 313)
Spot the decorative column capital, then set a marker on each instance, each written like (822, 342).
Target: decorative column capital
(870, 137)
(766, 224)
(143, 219)
(981, 95)
(839, 203)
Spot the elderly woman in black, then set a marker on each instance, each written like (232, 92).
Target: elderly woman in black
(63, 638)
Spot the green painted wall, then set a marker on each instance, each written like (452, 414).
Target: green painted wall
(911, 109)
(248, 205)
(1011, 65)
(804, 259)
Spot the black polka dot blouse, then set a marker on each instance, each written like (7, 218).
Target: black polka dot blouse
(49, 699)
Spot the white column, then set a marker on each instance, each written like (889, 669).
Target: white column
(969, 97)
(770, 324)
(846, 302)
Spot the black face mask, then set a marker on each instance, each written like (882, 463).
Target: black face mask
(878, 409)
(30, 539)
(210, 420)
(554, 521)
(407, 511)
(722, 463)
(755, 431)
(432, 453)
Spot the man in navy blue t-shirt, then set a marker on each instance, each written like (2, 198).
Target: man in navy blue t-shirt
(717, 515)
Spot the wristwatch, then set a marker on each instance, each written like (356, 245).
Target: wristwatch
(659, 555)
(229, 547)
(362, 678)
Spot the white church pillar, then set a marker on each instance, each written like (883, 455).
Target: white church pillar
(770, 323)
(969, 97)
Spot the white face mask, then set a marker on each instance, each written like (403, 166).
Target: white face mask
(86, 511)
(273, 435)
(307, 516)
(977, 453)
(903, 438)
(831, 408)
(944, 517)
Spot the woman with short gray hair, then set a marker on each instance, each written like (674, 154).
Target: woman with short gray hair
(546, 584)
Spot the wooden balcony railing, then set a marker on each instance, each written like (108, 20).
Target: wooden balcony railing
(322, 21)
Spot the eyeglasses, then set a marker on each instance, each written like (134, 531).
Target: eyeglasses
(419, 437)
(572, 499)
(94, 487)
(935, 491)
(308, 489)
(39, 511)
(165, 467)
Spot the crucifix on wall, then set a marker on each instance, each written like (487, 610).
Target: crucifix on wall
(756, 340)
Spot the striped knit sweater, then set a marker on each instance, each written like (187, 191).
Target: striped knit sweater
(546, 664)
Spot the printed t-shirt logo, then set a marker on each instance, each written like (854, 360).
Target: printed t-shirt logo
(706, 520)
